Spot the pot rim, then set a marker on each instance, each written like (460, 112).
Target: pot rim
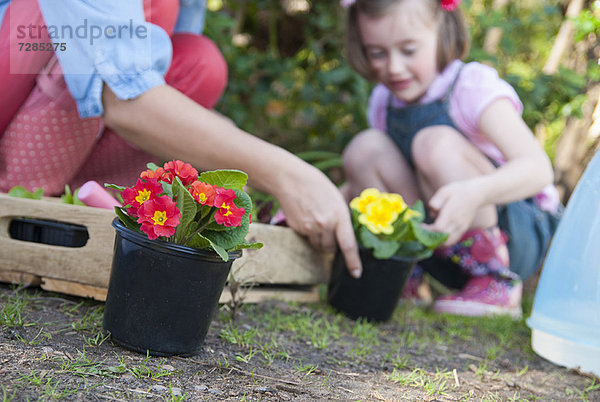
(142, 240)
(395, 257)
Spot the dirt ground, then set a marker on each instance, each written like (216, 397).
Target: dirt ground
(52, 347)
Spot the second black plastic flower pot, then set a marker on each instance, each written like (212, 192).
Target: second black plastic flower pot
(375, 294)
(162, 296)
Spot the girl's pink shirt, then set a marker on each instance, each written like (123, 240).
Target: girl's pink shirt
(476, 88)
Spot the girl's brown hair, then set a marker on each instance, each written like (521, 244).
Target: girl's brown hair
(453, 35)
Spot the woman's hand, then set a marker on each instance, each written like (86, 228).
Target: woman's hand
(314, 207)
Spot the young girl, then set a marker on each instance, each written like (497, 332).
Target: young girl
(451, 134)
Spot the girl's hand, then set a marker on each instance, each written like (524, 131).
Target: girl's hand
(454, 206)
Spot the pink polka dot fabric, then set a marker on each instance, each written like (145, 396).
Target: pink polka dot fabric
(46, 142)
(113, 161)
(47, 145)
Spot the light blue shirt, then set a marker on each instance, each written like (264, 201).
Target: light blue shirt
(108, 41)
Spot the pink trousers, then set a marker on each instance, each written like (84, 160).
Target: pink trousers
(43, 141)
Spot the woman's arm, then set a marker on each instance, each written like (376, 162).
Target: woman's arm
(164, 122)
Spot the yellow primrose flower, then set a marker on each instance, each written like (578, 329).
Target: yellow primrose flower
(409, 214)
(396, 200)
(367, 197)
(379, 216)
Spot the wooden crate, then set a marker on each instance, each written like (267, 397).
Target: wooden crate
(287, 267)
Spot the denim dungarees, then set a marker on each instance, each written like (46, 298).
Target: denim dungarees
(404, 123)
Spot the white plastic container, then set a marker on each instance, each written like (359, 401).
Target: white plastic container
(565, 319)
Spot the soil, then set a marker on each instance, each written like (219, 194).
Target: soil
(53, 346)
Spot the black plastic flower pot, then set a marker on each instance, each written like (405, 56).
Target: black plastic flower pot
(162, 296)
(375, 294)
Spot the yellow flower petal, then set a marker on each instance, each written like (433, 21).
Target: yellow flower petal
(365, 198)
(379, 217)
(409, 214)
(396, 200)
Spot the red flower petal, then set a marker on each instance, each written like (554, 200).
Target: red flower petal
(159, 174)
(229, 215)
(183, 170)
(140, 193)
(224, 196)
(203, 193)
(148, 228)
(159, 217)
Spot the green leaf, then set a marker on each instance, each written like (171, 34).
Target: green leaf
(114, 187)
(199, 242)
(203, 211)
(38, 194)
(241, 246)
(355, 223)
(382, 249)
(167, 189)
(67, 197)
(22, 192)
(152, 166)
(186, 205)
(419, 207)
(193, 227)
(76, 200)
(414, 249)
(127, 220)
(234, 179)
(401, 230)
(214, 226)
(428, 238)
(220, 250)
(71, 198)
(19, 192)
(227, 238)
(231, 236)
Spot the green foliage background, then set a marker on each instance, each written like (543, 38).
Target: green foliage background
(290, 85)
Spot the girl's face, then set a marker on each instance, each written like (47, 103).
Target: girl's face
(401, 47)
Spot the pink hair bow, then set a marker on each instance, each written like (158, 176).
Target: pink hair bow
(347, 3)
(450, 5)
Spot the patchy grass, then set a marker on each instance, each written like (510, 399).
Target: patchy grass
(14, 309)
(53, 347)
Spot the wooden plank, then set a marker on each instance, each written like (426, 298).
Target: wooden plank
(307, 294)
(74, 288)
(286, 258)
(19, 278)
